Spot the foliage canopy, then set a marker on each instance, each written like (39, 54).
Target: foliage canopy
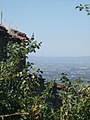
(24, 94)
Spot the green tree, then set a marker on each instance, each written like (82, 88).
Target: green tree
(23, 92)
(19, 87)
(24, 95)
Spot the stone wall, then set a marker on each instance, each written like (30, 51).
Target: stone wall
(7, 35)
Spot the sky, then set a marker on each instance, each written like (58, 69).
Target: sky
(63, 30)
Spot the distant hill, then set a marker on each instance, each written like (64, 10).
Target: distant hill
(41, 59)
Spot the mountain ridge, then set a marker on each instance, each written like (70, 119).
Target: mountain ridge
(59, 59)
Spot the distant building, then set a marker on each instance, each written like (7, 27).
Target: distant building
(7, 35)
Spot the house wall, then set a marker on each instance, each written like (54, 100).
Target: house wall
(10, 35)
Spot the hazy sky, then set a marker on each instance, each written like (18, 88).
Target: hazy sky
(63, 30)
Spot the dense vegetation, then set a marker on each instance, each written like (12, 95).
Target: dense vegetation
(24, 94)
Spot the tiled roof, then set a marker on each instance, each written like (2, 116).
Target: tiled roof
(19, 35)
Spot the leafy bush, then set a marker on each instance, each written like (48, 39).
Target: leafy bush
(25, 95)
(76, 100)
